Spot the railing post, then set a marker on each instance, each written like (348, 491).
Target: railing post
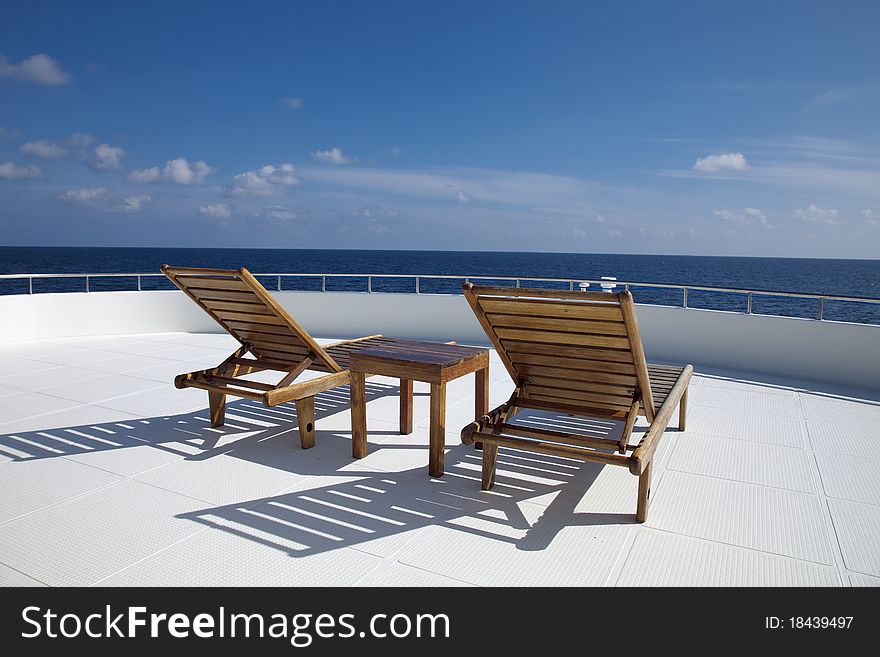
(323, 283)
(571, 286)
(517, 282)
(821, 307)
(417, 285)
(87, 282)
(749, 303)
(139, 282)
(684, 298)
(279, 282)
(369, 283)
(30, 284)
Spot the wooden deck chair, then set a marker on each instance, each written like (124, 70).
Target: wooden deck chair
(270, 340)
(578, 353)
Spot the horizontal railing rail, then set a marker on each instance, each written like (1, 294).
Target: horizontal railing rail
(571, 283)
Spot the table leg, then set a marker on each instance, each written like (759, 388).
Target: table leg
(406, 406)
(438, 429)
(482, 397)
(358, 415)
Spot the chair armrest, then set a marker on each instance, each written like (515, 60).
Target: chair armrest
(644, 453)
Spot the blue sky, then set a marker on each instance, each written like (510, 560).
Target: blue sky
(728, 128)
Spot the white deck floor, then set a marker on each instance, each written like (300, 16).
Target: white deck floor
(111, 476)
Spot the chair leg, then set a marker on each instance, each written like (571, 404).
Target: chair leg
(305, 416)
(217, 407)
(481, 398)
(644, 493)
(682, 411)
(490, 461)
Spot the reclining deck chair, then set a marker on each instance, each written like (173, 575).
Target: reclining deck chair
(575, 353)
(274, 341)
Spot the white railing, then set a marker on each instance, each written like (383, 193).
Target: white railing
(570, 283)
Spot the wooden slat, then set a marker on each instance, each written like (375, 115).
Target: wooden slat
(555, 400)
(235, 306)
(199, 272)
(552, 337)
(280, 356)
(568, 351)
(580, 384)
(277, 342)
(244, 383)
(248, 365)
(226, 390)
(556, 324)
(550, 308)
(556, 436)
(197, 286)
(560, 406)
(227, 295)
(540, 293)
(601, 399)
(241, 328)
(250, 317)
(569, 367)
(272, 332)
(551, 449)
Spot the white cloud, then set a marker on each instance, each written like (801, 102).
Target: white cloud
(333, 156)
(8, 135)
(815, 215)
(599, 219)
(85, 196)
(527, 188)
(872, 215)
(36, 68)
(721, 162)
(107, 157)
(178, 171)
(463, 197)
(293, 102)
(13, 171)
(279, 213)
(145, 175)
(396, 151)
(265, 181)
(43, 148)
(748, 217)
(221, 211)
(132, 204)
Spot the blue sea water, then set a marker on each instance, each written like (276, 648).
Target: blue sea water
(859, 278)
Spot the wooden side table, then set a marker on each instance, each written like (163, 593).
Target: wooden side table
(410, 361)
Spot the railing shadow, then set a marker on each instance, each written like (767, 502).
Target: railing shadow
(189, 435)
(362, 504)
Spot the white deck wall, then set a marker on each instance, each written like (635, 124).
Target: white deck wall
(835, 352)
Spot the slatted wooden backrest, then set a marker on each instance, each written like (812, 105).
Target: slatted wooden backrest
(578, 349)
(242, 306)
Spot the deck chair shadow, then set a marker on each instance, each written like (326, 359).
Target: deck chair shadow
(576, 353)
(270, 340)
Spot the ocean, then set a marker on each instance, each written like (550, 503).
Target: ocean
(859, 278)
